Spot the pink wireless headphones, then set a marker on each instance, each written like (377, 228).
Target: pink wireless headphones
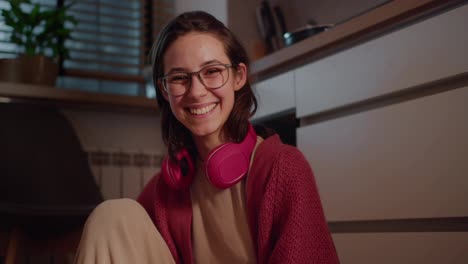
(225, 166)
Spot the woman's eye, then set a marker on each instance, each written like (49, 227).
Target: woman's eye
(178, 78)
(211, 71)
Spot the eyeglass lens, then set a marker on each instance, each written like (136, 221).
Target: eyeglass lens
(212, 77)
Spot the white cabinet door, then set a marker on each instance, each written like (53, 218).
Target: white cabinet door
(407, 160)
(402, 248)
(275, 95)
(420, 53)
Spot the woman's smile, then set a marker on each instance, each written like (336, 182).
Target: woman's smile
(202, 110)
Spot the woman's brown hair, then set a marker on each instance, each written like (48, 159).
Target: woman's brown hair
(174, 134)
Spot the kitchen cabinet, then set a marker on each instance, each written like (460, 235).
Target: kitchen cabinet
(407, 160)
(426, 51)
(275, 96)
(383, 125)
(405, 157)
(402, 248)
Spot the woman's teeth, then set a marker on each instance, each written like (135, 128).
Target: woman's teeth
(201, 111)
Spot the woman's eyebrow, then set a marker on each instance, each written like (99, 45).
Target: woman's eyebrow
(181, 69)
(176, 69)
(210, 62)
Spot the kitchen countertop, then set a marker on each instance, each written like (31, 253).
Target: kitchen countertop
(48, 95)
(378, 21)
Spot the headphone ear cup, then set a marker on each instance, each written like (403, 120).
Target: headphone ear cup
(227, 166)
(229, 163)
(179, 174)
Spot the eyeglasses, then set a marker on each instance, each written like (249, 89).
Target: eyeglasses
(211, 76)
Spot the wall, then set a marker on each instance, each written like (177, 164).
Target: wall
(242, 22)
(116, 129)
(124, 148)
(298, 13)
(242, 19)
(218, 8)
(239, 16)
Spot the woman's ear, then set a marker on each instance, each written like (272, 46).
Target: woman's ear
(161, 89)
(240, 76)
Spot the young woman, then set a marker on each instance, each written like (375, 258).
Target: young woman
(224, 195)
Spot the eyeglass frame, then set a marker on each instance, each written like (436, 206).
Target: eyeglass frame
(196, 73)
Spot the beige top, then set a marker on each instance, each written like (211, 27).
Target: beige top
(220, 230)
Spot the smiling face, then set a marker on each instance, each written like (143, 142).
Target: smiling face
(202, 111)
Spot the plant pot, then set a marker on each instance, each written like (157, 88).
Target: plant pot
(10, 70)
(38, 69)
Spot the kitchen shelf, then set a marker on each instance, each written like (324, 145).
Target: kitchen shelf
(378, 21)
(48, 95)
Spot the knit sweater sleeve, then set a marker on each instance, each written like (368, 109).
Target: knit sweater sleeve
(299, 225)
(148, 195)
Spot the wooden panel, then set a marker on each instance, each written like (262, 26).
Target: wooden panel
(10, 92)
(424, 52)
(402, 248)
(408, 160)
(275, 95)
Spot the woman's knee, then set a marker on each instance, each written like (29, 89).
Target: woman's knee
(115, 212)
(114, 206)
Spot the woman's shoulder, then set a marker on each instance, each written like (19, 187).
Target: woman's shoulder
(274, 149)
(280, 168)
(276, 160)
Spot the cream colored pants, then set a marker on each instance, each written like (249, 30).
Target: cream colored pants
(120, 231)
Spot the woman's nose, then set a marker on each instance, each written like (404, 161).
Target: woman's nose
(196, 89)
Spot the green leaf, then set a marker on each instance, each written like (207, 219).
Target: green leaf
(72, 20)
(16, 40)
(40, 29)
(35, 13)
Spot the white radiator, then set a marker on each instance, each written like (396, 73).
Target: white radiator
(122, 173)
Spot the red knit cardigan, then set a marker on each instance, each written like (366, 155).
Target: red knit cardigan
(285, 214)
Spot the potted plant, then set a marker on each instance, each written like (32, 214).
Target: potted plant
(40, 34)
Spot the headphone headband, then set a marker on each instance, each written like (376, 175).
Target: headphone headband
(225, 166)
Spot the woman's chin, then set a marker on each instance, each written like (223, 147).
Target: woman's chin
(204, 132)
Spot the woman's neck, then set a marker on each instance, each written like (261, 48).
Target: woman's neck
(206, 144)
